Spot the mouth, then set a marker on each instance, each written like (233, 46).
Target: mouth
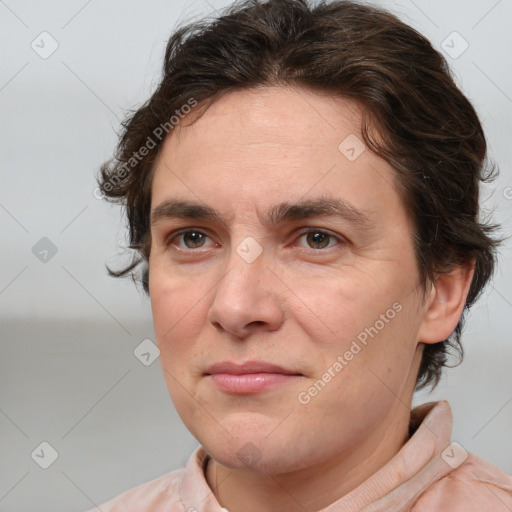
(250, 377)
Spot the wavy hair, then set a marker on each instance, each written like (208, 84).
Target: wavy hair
(427, 129)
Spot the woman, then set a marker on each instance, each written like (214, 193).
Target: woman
(302, 191)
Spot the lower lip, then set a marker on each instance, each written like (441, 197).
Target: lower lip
(250, 382)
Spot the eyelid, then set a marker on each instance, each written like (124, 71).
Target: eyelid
(180, 232)
(341, 240)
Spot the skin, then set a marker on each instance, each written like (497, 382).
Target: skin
(300, 304)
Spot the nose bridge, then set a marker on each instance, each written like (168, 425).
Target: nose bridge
(245, 270)
(243, 296)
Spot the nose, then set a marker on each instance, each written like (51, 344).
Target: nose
(246, 299)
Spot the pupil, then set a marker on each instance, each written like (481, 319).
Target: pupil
(195, 239)
(319, 238)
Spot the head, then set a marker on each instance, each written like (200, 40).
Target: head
(303, 185)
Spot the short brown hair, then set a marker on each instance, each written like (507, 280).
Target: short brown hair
(428, 130)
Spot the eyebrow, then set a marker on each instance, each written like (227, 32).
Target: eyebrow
(305, 209)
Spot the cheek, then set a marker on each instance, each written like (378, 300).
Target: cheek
(179, 317)
(365, 322)
(174, 300)
(336, 310)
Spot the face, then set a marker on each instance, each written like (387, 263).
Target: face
(283, 280)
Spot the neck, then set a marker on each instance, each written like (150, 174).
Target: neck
(315, 487)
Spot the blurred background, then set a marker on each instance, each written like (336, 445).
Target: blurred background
(76, 394)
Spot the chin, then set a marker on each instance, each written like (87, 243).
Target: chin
(252, 458)
(270, 455)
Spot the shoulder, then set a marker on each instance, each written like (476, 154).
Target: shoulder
(474, 486)
(158, 495)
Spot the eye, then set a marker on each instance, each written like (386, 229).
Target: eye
(318, 239)
(189, 239)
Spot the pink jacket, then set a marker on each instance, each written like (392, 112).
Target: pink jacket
(429, 474)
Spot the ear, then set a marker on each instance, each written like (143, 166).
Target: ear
(445, 304)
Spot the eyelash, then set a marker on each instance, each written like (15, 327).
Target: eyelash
(180, 233)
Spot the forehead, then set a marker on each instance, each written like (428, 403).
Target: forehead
(254, 148)
(291, 116)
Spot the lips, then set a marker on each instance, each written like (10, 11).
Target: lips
(249, 367)
(249, 377)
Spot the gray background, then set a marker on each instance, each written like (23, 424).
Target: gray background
(68, 373)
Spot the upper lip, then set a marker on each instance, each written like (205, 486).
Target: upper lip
(248, 367)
